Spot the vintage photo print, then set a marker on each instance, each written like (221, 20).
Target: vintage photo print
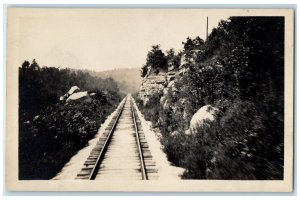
(194, 100)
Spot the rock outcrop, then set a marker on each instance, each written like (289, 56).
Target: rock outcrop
(158, 82)
(168, 84)
(151, 84)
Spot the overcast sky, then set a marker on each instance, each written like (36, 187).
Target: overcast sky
(106, 39)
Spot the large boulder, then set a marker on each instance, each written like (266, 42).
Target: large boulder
(78, 95)
(69, 93)
(202, 117)
(73, 89)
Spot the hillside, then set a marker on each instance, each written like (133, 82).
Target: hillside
(218, 104)
(60, 110)
(128, 79)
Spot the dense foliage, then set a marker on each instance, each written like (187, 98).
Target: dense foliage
(239, 70)
(156, 61)
(51, 130)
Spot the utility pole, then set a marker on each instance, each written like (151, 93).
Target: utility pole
(206, 28)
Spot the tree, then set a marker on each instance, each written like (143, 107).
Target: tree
(144, 71)
(188, 45)
(172, 58)
(34, 65)
(156, 59)
(25, 64)
(198, 43)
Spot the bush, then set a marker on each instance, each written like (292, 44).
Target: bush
(152, 108)
(236, 146)
(176, 146)
(59, 128)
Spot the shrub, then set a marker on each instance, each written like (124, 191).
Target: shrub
(237, 146)
(152, 108)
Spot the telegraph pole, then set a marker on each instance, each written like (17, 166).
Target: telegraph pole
(206, 28)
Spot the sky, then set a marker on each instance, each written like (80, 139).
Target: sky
(104, 39)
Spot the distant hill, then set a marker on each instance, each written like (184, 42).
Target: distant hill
(128, 79)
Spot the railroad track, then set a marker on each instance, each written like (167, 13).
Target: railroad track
(122, 152)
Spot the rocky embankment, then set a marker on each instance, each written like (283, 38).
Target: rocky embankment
(168, 83)
(162, 81)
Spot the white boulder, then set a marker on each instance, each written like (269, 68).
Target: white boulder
(77, 95)
(70, 92)
(205, 114)
(36, 117)
(73, 89)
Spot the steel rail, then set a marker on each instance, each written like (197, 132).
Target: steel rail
(143, 168)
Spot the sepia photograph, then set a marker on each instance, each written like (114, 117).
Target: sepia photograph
(107, 99)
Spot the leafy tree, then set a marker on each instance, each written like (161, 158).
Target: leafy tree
(156, 59)
(188, 45)
(34, 65)
(144, 71)
(25, 65)
(198, 43)
(172, 58)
